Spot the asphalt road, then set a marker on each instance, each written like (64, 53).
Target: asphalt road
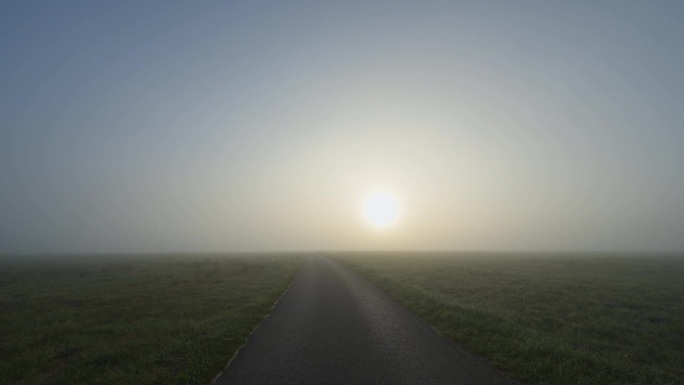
(334, 327)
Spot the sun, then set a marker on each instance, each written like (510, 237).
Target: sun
(381, 209)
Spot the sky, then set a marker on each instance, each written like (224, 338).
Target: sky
(183, 126)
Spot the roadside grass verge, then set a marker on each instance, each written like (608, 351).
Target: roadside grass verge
(131, 320)
(556, 319)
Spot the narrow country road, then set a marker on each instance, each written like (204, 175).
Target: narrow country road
(334, 327)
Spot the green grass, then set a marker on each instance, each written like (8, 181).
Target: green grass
(549, 320)
(126, 320)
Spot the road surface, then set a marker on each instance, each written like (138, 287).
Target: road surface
(334, 327)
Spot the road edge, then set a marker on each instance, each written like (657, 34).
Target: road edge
(500, 371)
(216, 378)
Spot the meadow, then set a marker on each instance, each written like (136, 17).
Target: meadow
(131, 320)
(548, 319)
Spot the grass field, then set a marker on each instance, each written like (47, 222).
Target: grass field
(131, 320)
(549, 320)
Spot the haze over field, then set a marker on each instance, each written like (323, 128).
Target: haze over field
(248, 126)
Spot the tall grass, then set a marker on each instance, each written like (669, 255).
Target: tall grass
(131, 320)
(549, 320)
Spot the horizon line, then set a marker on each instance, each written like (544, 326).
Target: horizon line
(350, 251)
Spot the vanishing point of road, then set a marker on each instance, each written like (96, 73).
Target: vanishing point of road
(334, 327)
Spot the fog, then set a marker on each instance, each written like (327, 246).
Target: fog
(262, 126)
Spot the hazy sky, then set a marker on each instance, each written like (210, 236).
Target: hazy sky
(140, 126)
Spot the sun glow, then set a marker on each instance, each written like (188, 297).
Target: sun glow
(381, 209)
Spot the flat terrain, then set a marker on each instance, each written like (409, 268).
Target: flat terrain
(131, 320)
(333, 327)
(559, 319)
(548, 319)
